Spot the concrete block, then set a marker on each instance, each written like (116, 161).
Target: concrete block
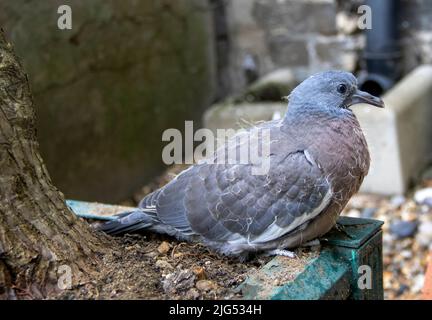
(235, 116)
(399, 136)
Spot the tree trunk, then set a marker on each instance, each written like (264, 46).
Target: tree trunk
(41, 241)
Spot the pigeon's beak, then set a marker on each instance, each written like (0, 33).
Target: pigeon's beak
(364, 97)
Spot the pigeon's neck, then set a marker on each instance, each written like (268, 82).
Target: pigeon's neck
(309, 113)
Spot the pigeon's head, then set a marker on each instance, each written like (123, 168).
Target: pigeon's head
(331, 91)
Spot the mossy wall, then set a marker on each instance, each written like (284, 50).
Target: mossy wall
(105, 90)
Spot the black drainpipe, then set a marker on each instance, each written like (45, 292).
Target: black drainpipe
(382, 54)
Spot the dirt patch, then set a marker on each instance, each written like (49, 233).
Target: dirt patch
(283, 270)
(157, 267)
(141, 268)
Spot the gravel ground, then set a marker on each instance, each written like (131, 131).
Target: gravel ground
(407, 231)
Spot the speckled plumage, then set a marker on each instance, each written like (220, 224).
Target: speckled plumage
(318, 159)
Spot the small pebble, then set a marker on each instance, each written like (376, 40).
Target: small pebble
(403, 229)
(424, 196)
(425, 209)
(205, 285)
(276, 283)
(178, 281)
(199, 273)
(406, 254)
(192, 294)
(424, 234)
(388, 239)
(152, 254)
(163, 248)
(397, 201)
(408, 215)
(418, 283)
(402, 288)
(163, 264)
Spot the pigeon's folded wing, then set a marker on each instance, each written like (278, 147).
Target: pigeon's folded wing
(229, 203)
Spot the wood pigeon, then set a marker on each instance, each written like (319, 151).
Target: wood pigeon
(318, 158)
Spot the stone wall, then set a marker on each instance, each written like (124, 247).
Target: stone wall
(105, 90)
(313, 35)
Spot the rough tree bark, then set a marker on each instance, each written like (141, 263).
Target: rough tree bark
(38, 233)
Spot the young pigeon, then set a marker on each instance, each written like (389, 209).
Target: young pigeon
(317, 161)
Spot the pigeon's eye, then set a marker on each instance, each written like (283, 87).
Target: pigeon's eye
(342, 88)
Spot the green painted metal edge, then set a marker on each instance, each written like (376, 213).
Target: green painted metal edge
(94, 210)
(317, 281)
(325, 277)
(355, 232)
(368, 258)
(334, 274)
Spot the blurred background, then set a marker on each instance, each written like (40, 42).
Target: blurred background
(105, 91)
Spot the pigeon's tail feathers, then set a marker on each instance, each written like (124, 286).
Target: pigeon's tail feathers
(129, 222)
